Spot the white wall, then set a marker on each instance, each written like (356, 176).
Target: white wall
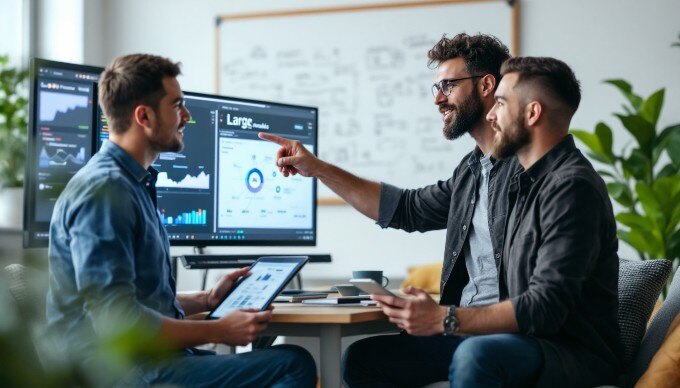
(600, 39)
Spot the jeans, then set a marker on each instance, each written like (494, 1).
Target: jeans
(278, 366)
(408, 361)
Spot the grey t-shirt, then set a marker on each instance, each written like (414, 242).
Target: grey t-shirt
(479, 258)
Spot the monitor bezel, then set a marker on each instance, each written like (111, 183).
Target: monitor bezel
(299, 243)
(30, 170)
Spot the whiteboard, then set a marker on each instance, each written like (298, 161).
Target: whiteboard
(367, 72)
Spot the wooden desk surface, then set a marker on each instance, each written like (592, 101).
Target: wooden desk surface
(296, 313)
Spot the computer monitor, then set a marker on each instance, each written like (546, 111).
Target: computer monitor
(224, 187)
(62, 121)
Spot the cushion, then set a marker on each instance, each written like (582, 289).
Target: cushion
(640, 283)
(425, 276)
(657, 331)
(664, 370)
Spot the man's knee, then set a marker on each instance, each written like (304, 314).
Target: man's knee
(473, 356)
(472, 350)
(298, 361)
(357, 357)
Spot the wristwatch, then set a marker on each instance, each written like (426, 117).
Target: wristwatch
(451, 321)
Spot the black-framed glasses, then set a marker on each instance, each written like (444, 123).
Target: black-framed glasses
(446, 85)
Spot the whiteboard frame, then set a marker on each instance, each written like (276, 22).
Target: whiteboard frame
(514, 33)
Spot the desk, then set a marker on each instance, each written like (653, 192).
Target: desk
(329, 324)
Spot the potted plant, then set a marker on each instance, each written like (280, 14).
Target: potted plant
(13, 138)
(643, 177)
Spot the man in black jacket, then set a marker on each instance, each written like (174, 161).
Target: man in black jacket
(471, 205)
(556, 324)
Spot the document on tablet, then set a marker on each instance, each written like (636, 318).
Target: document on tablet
(269, 275)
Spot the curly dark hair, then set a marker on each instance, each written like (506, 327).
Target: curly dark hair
(483, 54)
(132, 80)
(550, 75)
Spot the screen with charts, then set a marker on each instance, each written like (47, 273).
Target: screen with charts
(62, 121)
(224, 187)
(267, 278)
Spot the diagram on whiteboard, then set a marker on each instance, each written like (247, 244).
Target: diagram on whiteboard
(252, 191)
(377, 116)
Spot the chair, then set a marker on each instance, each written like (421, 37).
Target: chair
(640, 283)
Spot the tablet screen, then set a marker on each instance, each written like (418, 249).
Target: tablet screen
(266, 280)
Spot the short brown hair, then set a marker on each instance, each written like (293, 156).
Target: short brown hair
(550, 75)
(483, 54)
(132, 80)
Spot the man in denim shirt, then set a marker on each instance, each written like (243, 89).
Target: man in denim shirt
(110, 257)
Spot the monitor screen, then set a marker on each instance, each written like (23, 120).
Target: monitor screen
(62, 121)
(224, 187)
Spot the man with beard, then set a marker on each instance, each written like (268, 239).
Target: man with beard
(471, 205)
(110, 257)
(556, 322)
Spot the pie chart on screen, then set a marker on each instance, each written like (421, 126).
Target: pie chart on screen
(254, 180)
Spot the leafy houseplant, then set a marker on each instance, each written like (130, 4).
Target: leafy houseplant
(13, 138)
(644, 178)
(13, 124)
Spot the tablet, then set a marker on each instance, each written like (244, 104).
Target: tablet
(268, 276)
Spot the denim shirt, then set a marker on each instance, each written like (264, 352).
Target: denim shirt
(450, 204)
(109, 253)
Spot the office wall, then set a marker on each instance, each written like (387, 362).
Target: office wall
(601, 39)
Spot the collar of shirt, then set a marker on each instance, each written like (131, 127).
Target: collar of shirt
(546, 163)
(128, 163)
(474, 159)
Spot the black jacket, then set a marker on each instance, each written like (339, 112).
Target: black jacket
(561, 267)
(450, 204)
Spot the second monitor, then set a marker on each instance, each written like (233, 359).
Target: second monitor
(224, 187)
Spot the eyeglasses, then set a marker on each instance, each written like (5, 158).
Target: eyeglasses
(446, 85)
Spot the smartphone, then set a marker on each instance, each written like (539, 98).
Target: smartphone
(370, 286)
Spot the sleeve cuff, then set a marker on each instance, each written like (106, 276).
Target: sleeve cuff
(521, 315)
(389, 201)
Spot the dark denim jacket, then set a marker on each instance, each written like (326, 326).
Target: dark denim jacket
(450, 204)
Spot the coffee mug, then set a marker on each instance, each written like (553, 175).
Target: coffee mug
(375, 275)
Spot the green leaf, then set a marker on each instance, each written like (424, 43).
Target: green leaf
(637, 165)
(673, 148)
(666, 171)
(627, 90)
(634, 221)
(651, 108)
(647, 197)
(621, 193)
(663, 139)
(641, 129)
(606, 173)
(673, 246)
(604, 135)
(643, 241)
(592, 141)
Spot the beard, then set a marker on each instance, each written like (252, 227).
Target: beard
(468, 113)
(162, 141)
(510, 140)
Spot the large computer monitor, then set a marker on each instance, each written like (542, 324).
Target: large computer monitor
(222, 189)
(62, 121)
